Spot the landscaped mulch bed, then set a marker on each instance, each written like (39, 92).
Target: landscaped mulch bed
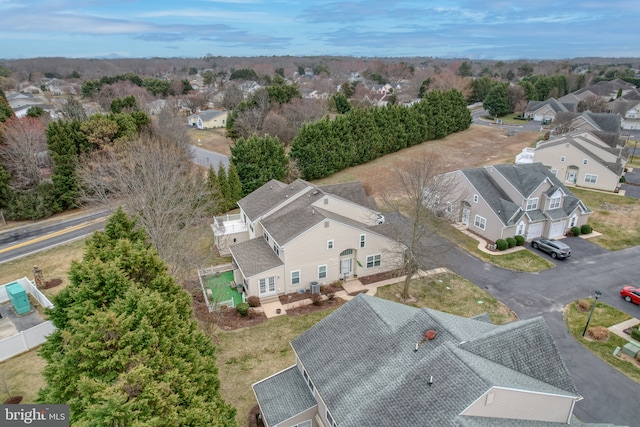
(295, 297)
(312, 308)
(373, 278)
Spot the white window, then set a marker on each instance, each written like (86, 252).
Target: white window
(532, 203)
(592, 179)
(307, 380)
(475, 198)
(329, 244)
(295, 277)
(330, 419)
(554, 172)
(322, 272)
(562, 159)
(573, 222)
(520, 229)
(480, 222)
(363, 240)
(276, 249)
(585, 161)
(554, 203)
(373, 261)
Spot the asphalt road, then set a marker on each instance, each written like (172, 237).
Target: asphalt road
(609, 397)
(21, 241)
(208, 158)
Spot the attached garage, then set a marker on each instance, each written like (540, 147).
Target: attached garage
(535, 230)
(557, 229)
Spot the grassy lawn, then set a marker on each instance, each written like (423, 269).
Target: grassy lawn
(54, 262)
(606, 316)
(453, 294)
(616, 217)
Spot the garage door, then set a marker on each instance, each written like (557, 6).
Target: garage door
(557, 229)
(534, 230)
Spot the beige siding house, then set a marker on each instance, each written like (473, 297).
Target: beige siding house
(288, 236)
(375, 362)
(582, 159)
(209, 119)
(502, 201)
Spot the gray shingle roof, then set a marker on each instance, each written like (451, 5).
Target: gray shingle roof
(254, 256)
(361, 360)
(270, 195)
(283, 396)
(525, 178)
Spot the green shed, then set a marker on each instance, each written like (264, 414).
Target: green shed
(18, 297)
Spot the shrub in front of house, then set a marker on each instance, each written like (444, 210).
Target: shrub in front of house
(501, 244)
(243, 309)
(585, 229)
(635, 334)
(316, 299)
(253, 301)
(511, 241)
(519, 240)
(575, 231)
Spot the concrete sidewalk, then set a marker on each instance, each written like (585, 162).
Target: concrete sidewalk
(620, 327)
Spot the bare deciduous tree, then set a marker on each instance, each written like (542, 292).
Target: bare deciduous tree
(424, 203)
(232, 97)
(592, 103)
(24, 151)
(276, 125)
(154, 180)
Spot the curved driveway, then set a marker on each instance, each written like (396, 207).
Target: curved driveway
(609, 397)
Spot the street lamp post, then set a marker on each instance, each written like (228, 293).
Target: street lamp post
(593, 306)
(634, 151)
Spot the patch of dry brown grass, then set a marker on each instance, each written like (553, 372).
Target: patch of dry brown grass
(54, 262)
(23, 376)
(476, 146)
(211, 139)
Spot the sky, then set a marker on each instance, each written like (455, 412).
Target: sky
(473, 29)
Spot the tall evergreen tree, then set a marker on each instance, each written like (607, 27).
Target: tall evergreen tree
(497, 101)
(224, 189)
(258, 160)
(127, 350)
(235, 186)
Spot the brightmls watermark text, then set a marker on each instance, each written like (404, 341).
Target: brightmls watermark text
(34, 415)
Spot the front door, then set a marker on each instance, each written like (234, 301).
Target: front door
(466, 213)
(346, 267)
(571, 175)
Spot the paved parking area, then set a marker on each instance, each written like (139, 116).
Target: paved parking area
(581, 249)
(631, 186)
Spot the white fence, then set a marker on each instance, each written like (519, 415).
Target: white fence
(25, 340)
(206, 271)
(32, 337)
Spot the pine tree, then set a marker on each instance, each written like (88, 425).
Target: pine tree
(235, 186)
(127, 350)
(224, 189)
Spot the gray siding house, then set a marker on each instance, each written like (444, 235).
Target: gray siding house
(502, 201)
(375, 362)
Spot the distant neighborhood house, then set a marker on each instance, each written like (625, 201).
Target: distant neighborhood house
(209, 119)
(581, 159)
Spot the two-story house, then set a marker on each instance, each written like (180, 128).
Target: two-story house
(290, 235)
(580, 159)
(375, 362)
(628, 107)
(501, 201)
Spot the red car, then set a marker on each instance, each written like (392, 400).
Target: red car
(631, 294)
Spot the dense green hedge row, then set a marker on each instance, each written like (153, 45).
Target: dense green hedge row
(328, 146)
